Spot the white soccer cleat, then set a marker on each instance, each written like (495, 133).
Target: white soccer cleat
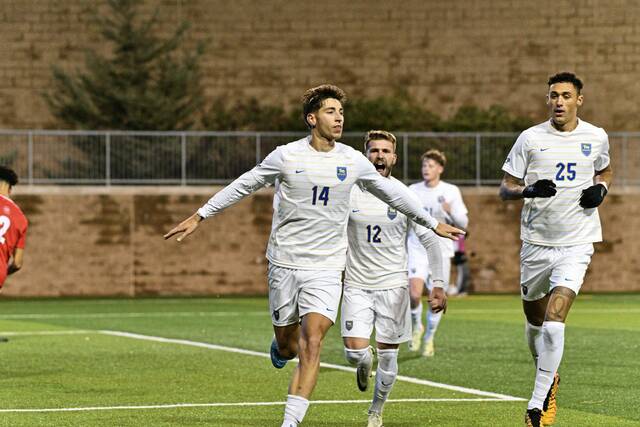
(429, 348)
(375, 420)
(416, 337)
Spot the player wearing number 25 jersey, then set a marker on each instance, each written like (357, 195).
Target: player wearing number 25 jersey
(13, 227)
(561, 169)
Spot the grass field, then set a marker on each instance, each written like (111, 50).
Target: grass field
(204, 362)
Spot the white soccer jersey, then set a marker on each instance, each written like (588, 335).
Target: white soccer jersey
(311, 203)
(432, 199)
(570, 159)
(377, 235)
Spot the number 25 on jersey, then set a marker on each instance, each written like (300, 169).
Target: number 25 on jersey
(566, 171)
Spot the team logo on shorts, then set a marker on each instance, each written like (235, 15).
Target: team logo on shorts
(525, 290)
(586, 148)
(276, 314)
(341, 172)
(348, 324)
(413, 270)
(392, 213)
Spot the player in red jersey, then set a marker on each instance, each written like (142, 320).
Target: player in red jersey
(13, 227)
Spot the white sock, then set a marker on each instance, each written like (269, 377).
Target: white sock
(385, 377)
(416, 316)
(535, 340)
(295, 410)
(433, 320)
(548, 361)
(359, 357)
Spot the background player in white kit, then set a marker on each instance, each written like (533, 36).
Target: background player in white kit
(375, 290)
(561, 169)
(307, 247)
(444, 202)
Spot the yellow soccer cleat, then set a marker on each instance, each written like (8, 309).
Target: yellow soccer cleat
(375, 420)
(550, 406)
(416, 337)
(429, 348)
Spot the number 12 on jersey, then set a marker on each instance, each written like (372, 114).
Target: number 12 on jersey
(323, 196)
(373, 234)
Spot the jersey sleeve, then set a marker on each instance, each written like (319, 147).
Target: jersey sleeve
(260, 176)
(459, 212)
(517, 161)
(602, 161)
(393, 193)
(431, 243)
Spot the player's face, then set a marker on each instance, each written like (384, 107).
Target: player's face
(563, 101)
(328, 120)
(381, 153)
(431, 170)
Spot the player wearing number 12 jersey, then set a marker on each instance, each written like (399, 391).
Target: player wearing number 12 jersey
(13, 227)
(561, 169)
(376, 292)
(307, 248)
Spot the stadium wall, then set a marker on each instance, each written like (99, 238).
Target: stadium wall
(108, 242)
(446, 54)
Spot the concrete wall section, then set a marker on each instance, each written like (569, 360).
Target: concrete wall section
(110, 243)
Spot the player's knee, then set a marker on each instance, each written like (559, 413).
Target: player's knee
(355, 356)
(387, 368)
(310, 346)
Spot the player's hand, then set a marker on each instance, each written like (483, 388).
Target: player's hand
(438, 300)
(448, 231)
(186, 227)
(540, 188)
(593, 196)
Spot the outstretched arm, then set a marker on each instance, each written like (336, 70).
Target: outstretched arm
(249, 182)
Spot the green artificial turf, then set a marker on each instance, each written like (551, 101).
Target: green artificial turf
(479, 345)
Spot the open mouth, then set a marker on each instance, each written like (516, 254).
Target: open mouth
(380, 166)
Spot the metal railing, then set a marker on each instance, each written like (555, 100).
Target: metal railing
(195, 158)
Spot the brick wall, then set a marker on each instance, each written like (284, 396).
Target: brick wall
(109, 242)
(444, 53)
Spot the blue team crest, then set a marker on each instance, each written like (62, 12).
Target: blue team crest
(341, 172)
(586, 148)
(392, 213)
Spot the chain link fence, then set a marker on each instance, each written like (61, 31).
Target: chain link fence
(196, 158)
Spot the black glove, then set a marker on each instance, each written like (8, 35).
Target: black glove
(593, 196)
(540, 188)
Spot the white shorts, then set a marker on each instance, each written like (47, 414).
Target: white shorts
(542, 268)
(294, 293)
(418, 268)
(386, 309)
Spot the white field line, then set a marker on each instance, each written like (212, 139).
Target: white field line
(210, 405)
(575, 310)
(322, 364)
(60, 332)
(133, 314)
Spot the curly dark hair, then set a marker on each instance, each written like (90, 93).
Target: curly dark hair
(566, 77)
(8, 175)
(313, 98)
